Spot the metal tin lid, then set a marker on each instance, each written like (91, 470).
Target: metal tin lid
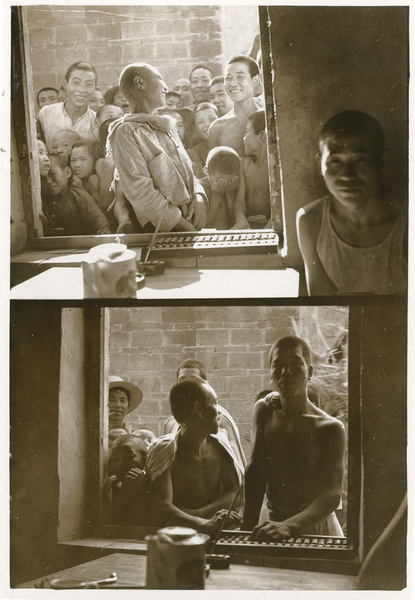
(177, 533)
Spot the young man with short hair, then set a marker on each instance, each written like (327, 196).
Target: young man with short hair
(218, 95)
(194, 474)
(354, 240)
(191, 367)
(200, 78)
(47, 95)
(241, 77)
(297, 454)
(74, 113)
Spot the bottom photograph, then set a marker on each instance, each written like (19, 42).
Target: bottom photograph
(208, 446)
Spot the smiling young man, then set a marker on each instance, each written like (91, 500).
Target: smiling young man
(241, 79)
(354, 239)
(154, 169)
(297, 454)
(74, 113)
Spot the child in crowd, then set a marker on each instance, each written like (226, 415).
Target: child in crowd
(44, 162)
(145, 434)
(119, 211)
(115, 96)
(174, 100)
(354, 239)
(128, 482)
(255, 169)
(115, 433)
(83, 158)
(225, 180)
(97, 100)
(47, 95)
(203, 116)
(71, 209)
(108, 111)
(219, 97)
(63, 141)
(177, 117)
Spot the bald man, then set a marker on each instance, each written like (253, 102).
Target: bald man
(153, 167)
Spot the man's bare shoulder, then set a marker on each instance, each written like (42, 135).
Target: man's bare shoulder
(311, 211)
(326, 423)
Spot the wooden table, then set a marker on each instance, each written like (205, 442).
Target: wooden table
(65, 283)
(131, 572)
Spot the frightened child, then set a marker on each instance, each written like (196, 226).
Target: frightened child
(255, 169)
(71, 210)
(128, 484)
(63, 141)
(44, 162)
(83, 158)
(354, 239)
(226, 182)
(203, 116)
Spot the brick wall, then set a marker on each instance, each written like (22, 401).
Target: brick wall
(148, 344)
(171, 38)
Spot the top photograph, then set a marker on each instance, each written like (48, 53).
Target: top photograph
(184, 152)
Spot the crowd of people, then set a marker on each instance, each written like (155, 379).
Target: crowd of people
(137, 156)
(196, 471)
(140, 158)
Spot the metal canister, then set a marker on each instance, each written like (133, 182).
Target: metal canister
(176, 559)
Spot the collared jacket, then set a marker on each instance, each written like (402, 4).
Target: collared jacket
(153, 168)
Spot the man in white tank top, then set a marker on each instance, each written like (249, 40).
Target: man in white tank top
(353, 241)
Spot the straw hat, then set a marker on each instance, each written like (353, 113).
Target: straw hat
(134, 392)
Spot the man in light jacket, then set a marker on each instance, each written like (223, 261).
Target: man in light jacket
(153, 168)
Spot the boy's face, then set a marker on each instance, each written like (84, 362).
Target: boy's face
(252, 140)
(80, 87)
(57, 178)
(62, 143)
(131, 454)
(97, 100)
(47, 97)
(203, 120)
(239, 84)
(289, 371)
(110, 111)
(199, 85)
(121, 101)
(215, 175)
(219, 97)
(179, 125)
(174, 102)
(350, 166)
(44, 162)
(82, 163)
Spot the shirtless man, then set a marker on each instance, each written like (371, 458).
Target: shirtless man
(241, 78)
(193, 474)
(297, 454)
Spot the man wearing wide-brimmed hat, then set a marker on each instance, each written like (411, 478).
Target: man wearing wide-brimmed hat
(123, 398)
